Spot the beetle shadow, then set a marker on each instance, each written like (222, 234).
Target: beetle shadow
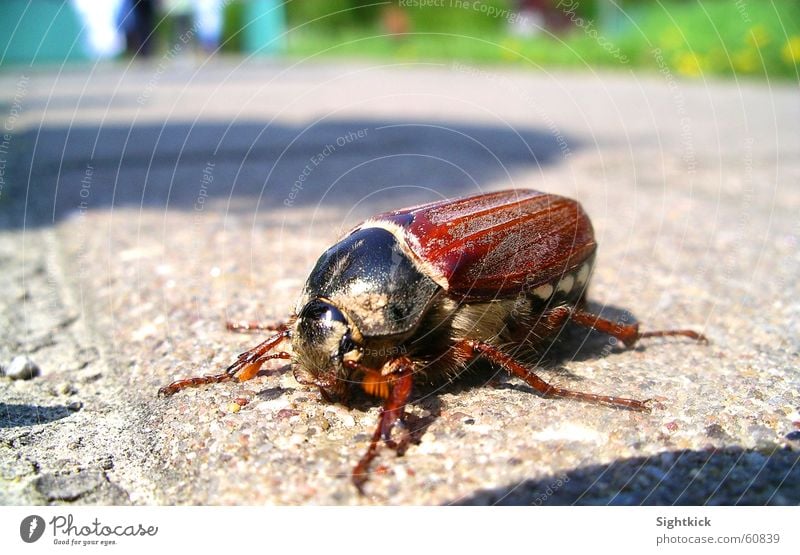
(726, 476)
(425, 407)
(272, 393)
(573, 343)
(418, 425)
(17, 416)
(579, 344)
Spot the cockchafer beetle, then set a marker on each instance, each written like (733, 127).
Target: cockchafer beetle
(415, 295)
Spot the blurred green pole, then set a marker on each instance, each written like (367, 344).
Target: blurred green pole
(265, 25)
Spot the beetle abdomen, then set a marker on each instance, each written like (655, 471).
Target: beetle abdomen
(494, 245)
(518, 324)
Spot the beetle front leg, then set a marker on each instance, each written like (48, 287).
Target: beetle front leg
(472, 349)
(398, 390)
(246, 366)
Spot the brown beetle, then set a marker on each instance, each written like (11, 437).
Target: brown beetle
(416, 295)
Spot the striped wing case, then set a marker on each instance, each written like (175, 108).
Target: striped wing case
(494, 245)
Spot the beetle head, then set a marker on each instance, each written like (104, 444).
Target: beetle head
(322, 340)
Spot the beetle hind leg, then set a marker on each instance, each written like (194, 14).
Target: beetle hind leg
(629, 334)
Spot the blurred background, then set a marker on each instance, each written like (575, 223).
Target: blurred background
(697, 37)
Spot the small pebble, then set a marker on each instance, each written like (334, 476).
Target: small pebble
(106, 462)
(234, 407)
(67, 389)
(320, 423)
(22, 368)
(75, 406)
(287, 413)
(461, 417)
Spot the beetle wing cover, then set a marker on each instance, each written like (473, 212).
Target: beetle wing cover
(496, 244)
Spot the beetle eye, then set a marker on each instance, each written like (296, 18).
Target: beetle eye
(322, 312)
(326, 329)
(346, 344)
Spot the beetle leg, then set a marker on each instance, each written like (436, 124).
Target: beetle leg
(248, 326)
(246, 366)
(629, 334)
(475, 348)
(392, 414)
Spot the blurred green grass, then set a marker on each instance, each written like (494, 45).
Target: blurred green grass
(696, 38)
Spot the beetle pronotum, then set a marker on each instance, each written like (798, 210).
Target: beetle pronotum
(415, 295)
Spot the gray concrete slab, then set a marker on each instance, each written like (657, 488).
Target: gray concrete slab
(142, 207)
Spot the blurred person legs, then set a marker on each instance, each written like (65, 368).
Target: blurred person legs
(103, 39)
(136, 19)
(208, 21)
(180, 12)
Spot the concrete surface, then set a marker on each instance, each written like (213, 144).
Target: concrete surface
(142, 206)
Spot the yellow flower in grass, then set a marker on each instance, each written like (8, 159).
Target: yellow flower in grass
(757, 36)
(717, 59)
(689, 63)
(791, 50)
(510, 49)
(407, 52)
(745, 61)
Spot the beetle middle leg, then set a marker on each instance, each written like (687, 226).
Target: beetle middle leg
(246, 366)
(397, 389)
(472, 349)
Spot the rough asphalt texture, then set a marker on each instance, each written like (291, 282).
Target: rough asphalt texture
(142, 207)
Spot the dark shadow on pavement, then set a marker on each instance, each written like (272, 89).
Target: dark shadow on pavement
(58, 171)
(730, 476)
(15, 416)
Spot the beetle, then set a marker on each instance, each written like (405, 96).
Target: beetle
(416, 295)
